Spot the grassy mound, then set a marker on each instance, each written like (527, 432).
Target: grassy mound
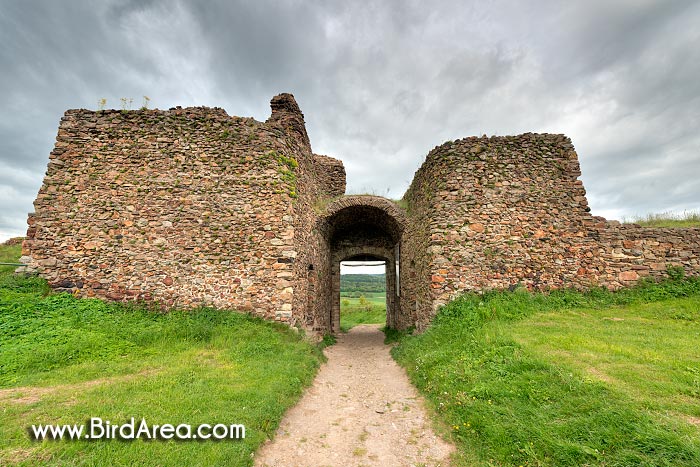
(64, 360)
(566, 379)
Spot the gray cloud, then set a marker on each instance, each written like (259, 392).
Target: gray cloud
(380, 82)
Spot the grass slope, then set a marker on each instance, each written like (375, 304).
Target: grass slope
(665, 219)
(9, 254)
(63, 360)
(566, 379)
(648, 351)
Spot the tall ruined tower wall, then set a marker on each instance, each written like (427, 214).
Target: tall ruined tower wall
(317, 179)
(187, 207)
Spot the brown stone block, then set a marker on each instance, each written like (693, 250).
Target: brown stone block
(628, 276)
(286, 296)
(115, 295)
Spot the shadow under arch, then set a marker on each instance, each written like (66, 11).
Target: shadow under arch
(366, 228)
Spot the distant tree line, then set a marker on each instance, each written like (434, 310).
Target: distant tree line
(362, 283)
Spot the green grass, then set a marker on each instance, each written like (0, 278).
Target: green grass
(648, 351)
(9, 254)
(63, 360)
(667, 219)
(354, 311)
(566, 379)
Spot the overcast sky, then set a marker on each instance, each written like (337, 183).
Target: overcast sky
(380, 83)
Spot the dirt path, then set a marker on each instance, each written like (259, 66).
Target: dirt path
(360, 411)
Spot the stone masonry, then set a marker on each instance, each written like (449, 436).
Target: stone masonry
(510, 211)
(192, 207)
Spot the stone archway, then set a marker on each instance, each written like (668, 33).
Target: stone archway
(365, 228)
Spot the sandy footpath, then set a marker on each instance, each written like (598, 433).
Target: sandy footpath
(360, 411)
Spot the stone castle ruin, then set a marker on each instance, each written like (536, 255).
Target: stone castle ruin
(193, 207)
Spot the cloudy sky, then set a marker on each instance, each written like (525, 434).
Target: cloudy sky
(380, 82)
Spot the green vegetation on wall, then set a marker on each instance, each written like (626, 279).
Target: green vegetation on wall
(287, 170)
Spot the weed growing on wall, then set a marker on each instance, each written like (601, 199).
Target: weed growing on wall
(126, 103)
(287, 170)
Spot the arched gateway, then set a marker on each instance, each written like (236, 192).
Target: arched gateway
(363, 228)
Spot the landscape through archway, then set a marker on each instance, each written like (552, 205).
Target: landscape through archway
(363, 287)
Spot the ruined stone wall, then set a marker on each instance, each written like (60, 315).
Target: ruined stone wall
(330, 176)
(194, 207)
(504, 211)
(415, 253)
(321, 179)
(187, 207)
(498, 211)
(632, 252)
(310, 278)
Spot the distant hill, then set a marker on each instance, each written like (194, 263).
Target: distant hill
(362, 283)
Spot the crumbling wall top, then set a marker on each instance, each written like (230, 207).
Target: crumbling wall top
(330, 175)
(287, 115)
